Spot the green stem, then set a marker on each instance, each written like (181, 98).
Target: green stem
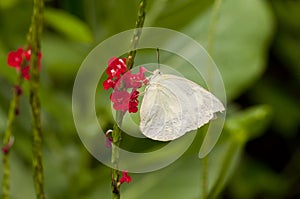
(34, 42)
(213, 25)
(210, 44)
(117, 132)
(116, 136)
(13, 109)
(137, 33)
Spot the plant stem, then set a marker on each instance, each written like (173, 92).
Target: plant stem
(13, 109)
(117, 132)
(210, 44)
(34, 42)
(116, 136)
(137, 33)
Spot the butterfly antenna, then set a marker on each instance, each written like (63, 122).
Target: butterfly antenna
(157, 53)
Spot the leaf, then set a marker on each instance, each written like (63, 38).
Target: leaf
(239, 48)
(182, 179)
(164, 14)
(62, 58)
(69, 25)
(239, 128)
(8, 4)
(248, 124)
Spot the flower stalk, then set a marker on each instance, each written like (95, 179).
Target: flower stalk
(117, 132)
(8, 138)
(19, 61)
(34, 42)
(137, 33)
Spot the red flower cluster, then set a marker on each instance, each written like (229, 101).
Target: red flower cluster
(116, 68)
(15, 59)
(121, 81)
(125, 177)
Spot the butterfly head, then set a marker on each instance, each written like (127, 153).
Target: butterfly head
(156, 74)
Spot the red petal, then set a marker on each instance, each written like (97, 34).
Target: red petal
(109, 83)
(134, 95)
(25, 73)
(120, 96)
(27, 54)
(14, 58)
(125, 177)
(111, 60)
(141, 72)
(133, 109)
(116, 67)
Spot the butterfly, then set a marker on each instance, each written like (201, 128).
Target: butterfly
(173, 105)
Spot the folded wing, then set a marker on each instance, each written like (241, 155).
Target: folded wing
(173, 106)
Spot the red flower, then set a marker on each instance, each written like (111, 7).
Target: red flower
(25, 72)
(120, 100)
(125, 177)
(27, 55)
(120, 81)
(109, 83)
(135, 80)
(125, 101)
(116, 67)
(134, 102)
(133, 107)
(15, 59)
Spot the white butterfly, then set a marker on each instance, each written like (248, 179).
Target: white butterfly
(173, 106)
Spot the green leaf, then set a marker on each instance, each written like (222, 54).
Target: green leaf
(62, 58)
(69, 25)
(248, 124)
(8, 4)
(164, 14)
(239, 49)
(182, 179)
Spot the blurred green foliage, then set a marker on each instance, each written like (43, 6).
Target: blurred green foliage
(256, 48)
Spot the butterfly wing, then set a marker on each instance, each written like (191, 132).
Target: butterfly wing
(201, 105)
(160, 114)
(180, 106)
